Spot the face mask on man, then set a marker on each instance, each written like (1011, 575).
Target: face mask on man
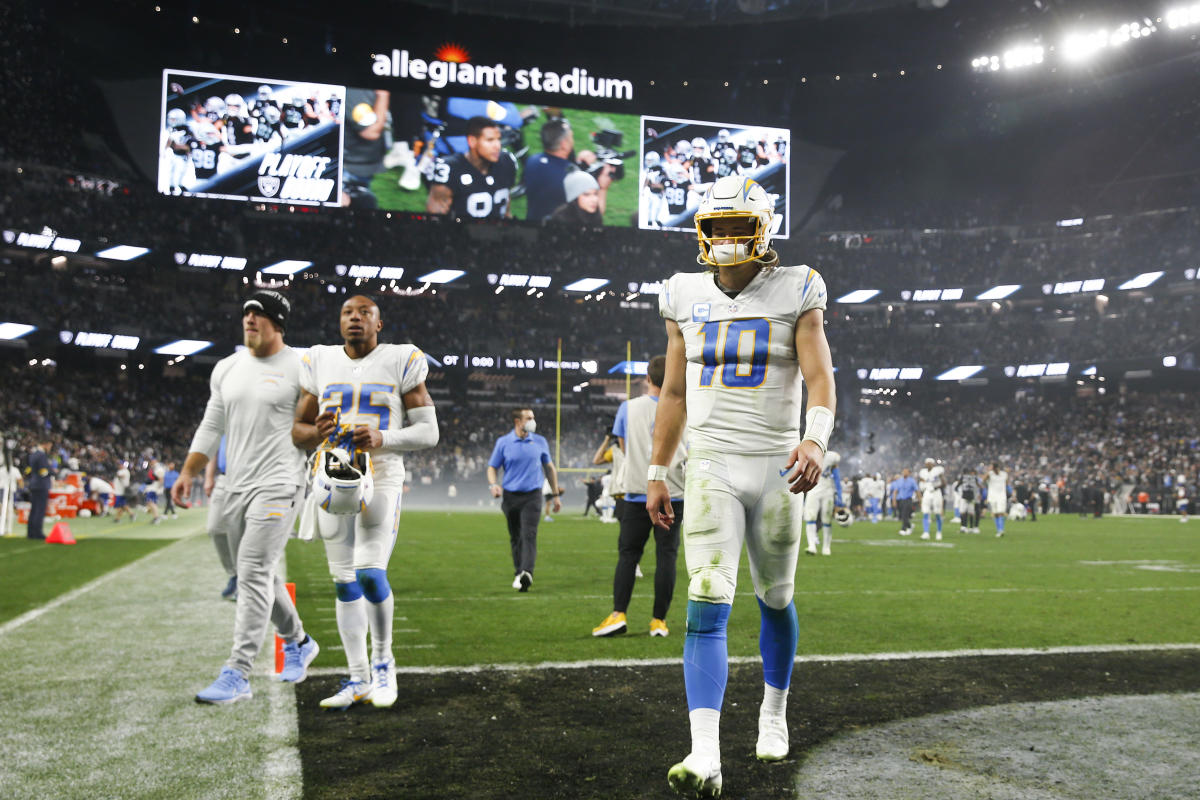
(530, 425)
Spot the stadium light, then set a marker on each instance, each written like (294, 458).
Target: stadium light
(1183, 16)
(1141, 281)
(858, 296)
(14, 330)
(442, 276)
(586, 285)
(960, 373)
(1169, 361)
(999, 292)
(286, 267)
(1023, 56)
(123, 252)
(183, 347)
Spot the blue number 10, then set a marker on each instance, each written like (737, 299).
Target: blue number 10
(726, 338)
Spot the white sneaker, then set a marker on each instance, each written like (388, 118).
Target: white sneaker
(772, 737)
(905, 532)
(352, 692)
(938, 537)
(825, 551)
(517, 581)
(637, 571)
(696, 776)
(925, 536)
(383, 684)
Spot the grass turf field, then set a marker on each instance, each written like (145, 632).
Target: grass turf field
(100, 684)
(622, 200)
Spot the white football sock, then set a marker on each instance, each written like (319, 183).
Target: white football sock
(774, 701)
(379, 617)
(352, 625)
(826, 535)
(706, 733)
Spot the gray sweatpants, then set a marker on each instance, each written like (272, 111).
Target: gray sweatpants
(257, 523)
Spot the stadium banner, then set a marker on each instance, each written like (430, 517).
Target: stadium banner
(681, 158)
(423, 161)
(254, 139)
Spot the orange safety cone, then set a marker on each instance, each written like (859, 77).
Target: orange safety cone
(291, 590)
(60, 534)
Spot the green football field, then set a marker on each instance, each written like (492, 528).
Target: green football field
(621, 205)
(104, 643)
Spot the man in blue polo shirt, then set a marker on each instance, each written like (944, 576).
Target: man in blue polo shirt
(902, 494)
(525, 458)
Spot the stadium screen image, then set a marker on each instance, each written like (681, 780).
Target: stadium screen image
(246, 138)
(426, 145)
(681, 158)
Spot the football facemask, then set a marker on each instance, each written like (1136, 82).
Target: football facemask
(343, 482)
(734, 198)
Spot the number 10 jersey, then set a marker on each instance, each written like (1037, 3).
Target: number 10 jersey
(744, 390)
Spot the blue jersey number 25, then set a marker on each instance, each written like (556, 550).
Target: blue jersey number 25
(349, 401)
(722, 342)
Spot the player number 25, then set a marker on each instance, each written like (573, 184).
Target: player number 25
(722, 342)
(351, 402)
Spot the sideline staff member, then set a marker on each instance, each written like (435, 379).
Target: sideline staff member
(525, 457)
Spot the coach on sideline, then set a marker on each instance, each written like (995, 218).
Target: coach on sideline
(525, 458)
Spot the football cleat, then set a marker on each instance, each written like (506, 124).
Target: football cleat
(526, 580)
(229, 687)
(772, 737)
(696, 776)
(612, 625)
(296, 658)
(925, 535)
(230, 590)
(350, 693)
(825, 551)
(383, 684)
(811, 549)
(658, 627)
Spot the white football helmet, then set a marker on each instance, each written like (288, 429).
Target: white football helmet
(723, 136)
(271, 114)
(736, 198)
(215, 107)
(843, 517)
(176, 118)
(235, 105)
(652, 159)
(264, 93)
(683, 148)
(208, 133)
(700, 146)
(343, 484)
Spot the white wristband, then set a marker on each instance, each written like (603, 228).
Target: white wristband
(818, 426)
(657, 472)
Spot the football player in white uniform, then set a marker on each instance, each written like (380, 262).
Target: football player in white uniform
(931, 480)
(739, 337)
(997, 496)
(820, 502)
(178, 134)
(1181, 497)
(362, 393)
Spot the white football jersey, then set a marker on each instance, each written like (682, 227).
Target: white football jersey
(997, 484)
(367, 391)
(743, 380)
(930, 480)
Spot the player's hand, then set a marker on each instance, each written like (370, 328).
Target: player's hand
(496, 490)
(184, 479)
(658, 504)
(326, 422)
(209, 485)
(557, 504)
(803, 467)
(367, 438)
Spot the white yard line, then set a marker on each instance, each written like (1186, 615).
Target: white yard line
(901, 656)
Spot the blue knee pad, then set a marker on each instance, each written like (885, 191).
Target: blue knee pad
(374, 584)
(777, 640)
(705, 657)
(348, 592)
